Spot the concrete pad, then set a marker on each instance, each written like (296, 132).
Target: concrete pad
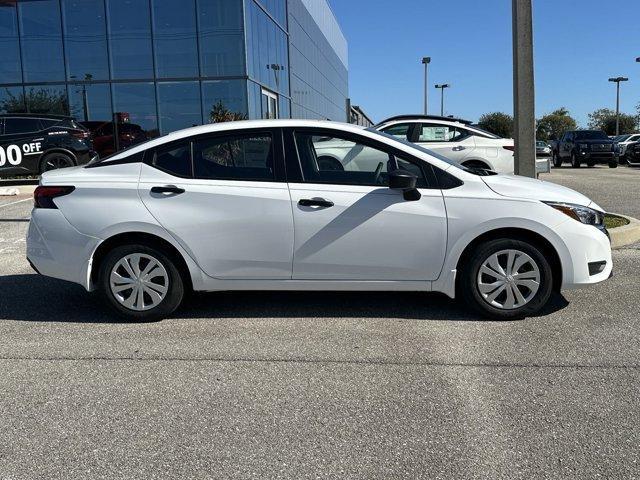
(627, 234)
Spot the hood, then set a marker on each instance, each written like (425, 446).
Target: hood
(524, 187)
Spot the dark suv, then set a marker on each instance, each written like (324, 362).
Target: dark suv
(34, 143)
(585, 146)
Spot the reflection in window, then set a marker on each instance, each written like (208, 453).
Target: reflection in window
(85, 39)
(174, 32)
(12, 100)
(90, 102)
(175, 160)
(221, 37)
(243, 157)
(47, 99)
(41, 41)
(179, 104)
(224, 100)
(137, 103)
(130, 37)
(10, 69)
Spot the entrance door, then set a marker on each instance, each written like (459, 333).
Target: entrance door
(269, 104)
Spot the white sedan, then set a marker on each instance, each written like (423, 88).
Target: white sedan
(248, 206)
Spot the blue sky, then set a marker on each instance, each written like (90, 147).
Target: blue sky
(578, 45)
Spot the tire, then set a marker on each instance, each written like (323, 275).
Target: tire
(591, 164)
(56, 160)
(575, 161)
(476, 164)
(536, 266)
(557, 161)
(167, 276)
(613, 164)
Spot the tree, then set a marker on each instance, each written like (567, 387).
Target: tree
(498, 123)
(42, 100)
(554, 124)
(605, 119)
(220, 113)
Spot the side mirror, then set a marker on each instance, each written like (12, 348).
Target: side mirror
(405, 181)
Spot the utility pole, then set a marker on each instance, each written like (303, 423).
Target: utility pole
(617, 81)
(442, 86)
(426, 61)
(523, 90)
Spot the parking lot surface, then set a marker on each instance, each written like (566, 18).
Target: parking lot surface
(320, 385)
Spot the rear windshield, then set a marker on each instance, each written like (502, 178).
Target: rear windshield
(591, 135)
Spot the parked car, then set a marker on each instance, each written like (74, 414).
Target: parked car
(633, 154)
(623, 142)
(248, 206)
(585, 146)
(34, 143)
(455, 138)
(542, 149)
(103, 137)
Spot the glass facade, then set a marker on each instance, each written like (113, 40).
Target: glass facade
(166, 65)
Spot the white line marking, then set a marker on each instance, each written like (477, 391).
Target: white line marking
(14, 203)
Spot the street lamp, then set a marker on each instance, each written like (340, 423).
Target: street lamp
(442, 86)
(638, 59)
(426, 61)
(617, 81)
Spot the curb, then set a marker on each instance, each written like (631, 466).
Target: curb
(17, 190)
(627, 234)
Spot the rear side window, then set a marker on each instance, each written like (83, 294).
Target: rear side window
(174, 159)
(21, 125)
(238, 157)
(431, 132)
(48, 122)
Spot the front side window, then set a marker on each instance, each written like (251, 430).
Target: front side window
(21, 125)
(238, 157)
(399, 130)
(432, 132)
(174, 159)
(345, 161)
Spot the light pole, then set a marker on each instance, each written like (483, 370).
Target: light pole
(442, 86)
(617, 81)
(426, 61)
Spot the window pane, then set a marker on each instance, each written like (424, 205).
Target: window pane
(130, 29)
(179, 104)
(224, 100)
(41, 41)
(328, 159)
(221, 38)
(98, 102)
(247, 157)
(137, 103)
(12, 100)
(10, 69)
(400, 131)
(47, 99)
(20, 125)
(175, 160)
(85, 39)
(438, 133)
(174, 31)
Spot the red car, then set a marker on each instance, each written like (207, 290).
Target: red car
(103, 139)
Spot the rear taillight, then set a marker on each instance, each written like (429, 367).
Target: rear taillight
(511, 148)
(43, 196)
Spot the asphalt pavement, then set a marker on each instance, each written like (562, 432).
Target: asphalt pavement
(320, 385)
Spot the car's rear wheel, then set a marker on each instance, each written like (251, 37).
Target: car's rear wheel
(140, 282)
(591, 164)
(476, 164)
(506, 279)
(56, 160)
(613, 164)
(575, 161)
(557, 161)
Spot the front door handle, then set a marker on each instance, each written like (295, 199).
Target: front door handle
(315, 202)
(167, 189)
(458, 148)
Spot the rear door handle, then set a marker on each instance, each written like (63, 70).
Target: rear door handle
(315, 202)
(167, 189)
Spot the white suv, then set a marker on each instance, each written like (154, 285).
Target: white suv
(623, 142)
(454, 138)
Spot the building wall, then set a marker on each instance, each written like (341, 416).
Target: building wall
(319, 64)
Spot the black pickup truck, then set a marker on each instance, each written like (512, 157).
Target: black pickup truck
(585, 146)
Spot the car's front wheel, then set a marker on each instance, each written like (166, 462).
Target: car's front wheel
(140, 282)
(506, 279)
(557, 161)
(575, 161)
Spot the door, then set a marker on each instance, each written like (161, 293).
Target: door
(448, 140)
(231, 211)
(348, 224)
(21, 146)
(269, 104)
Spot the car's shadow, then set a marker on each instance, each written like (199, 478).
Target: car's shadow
(35, 298)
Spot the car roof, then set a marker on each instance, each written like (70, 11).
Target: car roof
(36, 115)
(418, 116)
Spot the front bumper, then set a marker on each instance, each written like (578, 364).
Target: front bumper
(598, 157)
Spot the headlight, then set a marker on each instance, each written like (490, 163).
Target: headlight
(585, 215)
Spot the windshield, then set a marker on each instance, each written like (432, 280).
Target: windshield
(621, 138)
(591, 135)
(477, 129)
(540, 143)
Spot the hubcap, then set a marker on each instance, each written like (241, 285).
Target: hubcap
(53, 163)
(139, 282)
(508, 279)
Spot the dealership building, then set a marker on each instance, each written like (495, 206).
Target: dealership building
(167, 64)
